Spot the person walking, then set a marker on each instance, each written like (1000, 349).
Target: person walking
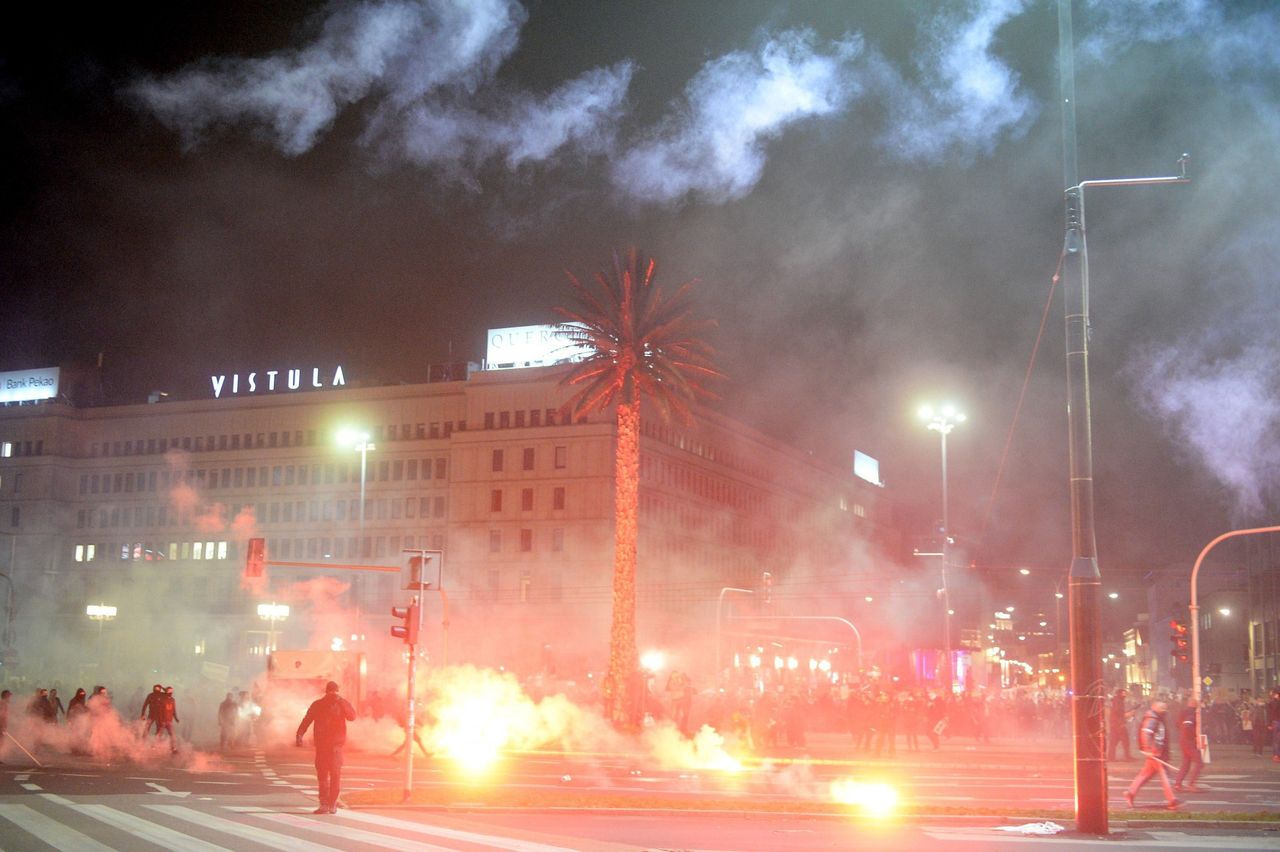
(55, 706)
(78, 721)
(1153, 741)
(151, 708)
(1188, 741)
(228, 717)
(1118, 722)
(163, 715)
(330, 715)
(4, 716)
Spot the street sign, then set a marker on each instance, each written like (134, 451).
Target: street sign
(1208, 681)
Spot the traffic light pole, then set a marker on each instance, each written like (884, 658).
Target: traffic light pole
(410, 728)
(1201, 739)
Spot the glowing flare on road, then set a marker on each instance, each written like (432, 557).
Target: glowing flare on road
(877, 800)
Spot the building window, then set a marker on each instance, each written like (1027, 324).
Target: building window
(504, 420)
(440, 468)
(528, 458)
(496, 463)
(526, 499)
(488, 420)
(519, 419)
(526, 540)
(495, 500)
(439, 507)
(15, 516)
(557, 497)
(495, 541)
(562, 457)
(557, 540)
(535, 417)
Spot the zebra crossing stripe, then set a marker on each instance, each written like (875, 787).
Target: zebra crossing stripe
(165, 838)
(50, 831)
(260, 836)
(489, 841)
(332, 829)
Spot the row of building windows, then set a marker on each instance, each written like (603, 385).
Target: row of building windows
(520, 419)
(399, 470)
(21, 448)
(379, 509)
(524, 540)
(263, 440)
(144, 552)
(528, 458)
(526, 499)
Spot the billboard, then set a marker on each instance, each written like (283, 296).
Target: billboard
(29, 385)
(866, 467)
(530, 346)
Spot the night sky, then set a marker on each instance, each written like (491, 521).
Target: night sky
(870, 194)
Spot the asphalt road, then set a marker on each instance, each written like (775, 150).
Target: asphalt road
(256, 800)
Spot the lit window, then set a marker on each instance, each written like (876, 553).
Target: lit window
(6, 449)
(222, 550)
(197, 550)
(89, 552)
(79, 552)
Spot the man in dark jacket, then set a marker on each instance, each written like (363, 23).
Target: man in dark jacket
(164, 714)
(1153, 740)
(1118, 724)
(151, 708)
(1192, 761)
(330, 715)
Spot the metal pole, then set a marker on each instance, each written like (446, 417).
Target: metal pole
(719, 608)
(946, 552)
(1201, 739)
(1087, 689)
(409, 725)
(364, 452)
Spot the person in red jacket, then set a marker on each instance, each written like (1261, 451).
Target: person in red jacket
(1153, 740)
(164, 714)
(330, 715)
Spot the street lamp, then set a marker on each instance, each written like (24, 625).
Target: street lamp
(942, 421)
(358, 440)
(271, 613)
(100, 613)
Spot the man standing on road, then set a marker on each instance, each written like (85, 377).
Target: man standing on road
(330, 715)
(1153, 740)
(228, 716)
(1192, 762)
(151, 708)
(1118, 722)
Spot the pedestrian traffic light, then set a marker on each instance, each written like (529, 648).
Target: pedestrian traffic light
(408, 631)
(256, 557)
(1181, 641)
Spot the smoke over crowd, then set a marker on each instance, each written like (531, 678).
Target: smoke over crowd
(870, 193)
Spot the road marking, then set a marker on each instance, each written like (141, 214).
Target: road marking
(332, 829)
(166, 838)
(491, 841)
(259, 836)
(50, 830)
(30, 786)
(22, 776)
(161, 790)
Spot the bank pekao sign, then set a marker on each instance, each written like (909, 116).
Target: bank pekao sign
(29, 385)
(530, 346)
(269, 381)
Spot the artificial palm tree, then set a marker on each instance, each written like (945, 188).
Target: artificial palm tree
(641, 344)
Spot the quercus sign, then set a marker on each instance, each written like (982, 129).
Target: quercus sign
(275, 380)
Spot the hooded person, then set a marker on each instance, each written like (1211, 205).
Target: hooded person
(151, 708)
(330, 715)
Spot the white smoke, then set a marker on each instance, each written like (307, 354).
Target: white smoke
(714, 143)
(414, 63)
(1223, 406)
(966, 98)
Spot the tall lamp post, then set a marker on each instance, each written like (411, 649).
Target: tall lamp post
(1088, 692)
(359, 441)
(942, 421)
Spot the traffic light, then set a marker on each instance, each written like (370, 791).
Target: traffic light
(408, 631)
(1181, 641)
(256, 557)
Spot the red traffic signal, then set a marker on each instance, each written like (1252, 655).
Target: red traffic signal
(256, 557)
(408, 631)
(1180, 639)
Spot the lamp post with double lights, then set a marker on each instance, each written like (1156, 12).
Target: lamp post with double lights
(943, 420)
(271, 613)
(100, 612)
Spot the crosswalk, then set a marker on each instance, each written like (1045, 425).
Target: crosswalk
(53, 821)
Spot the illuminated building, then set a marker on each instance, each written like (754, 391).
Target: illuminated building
(151, 505)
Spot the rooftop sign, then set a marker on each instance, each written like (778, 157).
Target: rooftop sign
(530, 346)
(29, 385)
(269, 381)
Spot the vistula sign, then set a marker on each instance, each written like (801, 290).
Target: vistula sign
(270, 381)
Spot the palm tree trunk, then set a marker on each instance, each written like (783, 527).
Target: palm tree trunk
(623, 687)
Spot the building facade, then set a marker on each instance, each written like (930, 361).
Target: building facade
(148, 508)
